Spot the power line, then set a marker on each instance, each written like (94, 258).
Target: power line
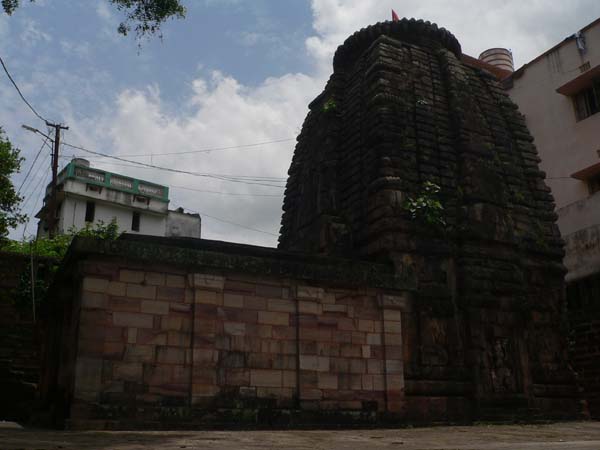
(233, 223)
(35, 189)
(33, 164)
(35, 177)
(260, 181)
(19, 91)
(34, 205)
(225, 193)
(214, 149)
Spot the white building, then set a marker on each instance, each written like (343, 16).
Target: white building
(86, 195)
(559, 94)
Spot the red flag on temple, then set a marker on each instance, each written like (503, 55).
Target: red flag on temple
(395, 17)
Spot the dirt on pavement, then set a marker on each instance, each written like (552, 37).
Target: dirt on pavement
(573, 435)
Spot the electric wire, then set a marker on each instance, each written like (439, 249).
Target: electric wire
(19, 91)
(34, 205)
(32, 164)
(260, 181)
(203, 214)
(209, 150)
(235, 194)
(32, 179)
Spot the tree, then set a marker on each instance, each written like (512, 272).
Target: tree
(145, 17)
(10, 162)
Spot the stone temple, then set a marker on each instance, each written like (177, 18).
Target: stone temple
(418, 279)
(400, 111)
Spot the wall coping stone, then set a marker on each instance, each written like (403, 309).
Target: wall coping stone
(202, 255)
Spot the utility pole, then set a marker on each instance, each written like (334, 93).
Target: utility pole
(52, 204)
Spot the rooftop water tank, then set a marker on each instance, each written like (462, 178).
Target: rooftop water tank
(499, 57)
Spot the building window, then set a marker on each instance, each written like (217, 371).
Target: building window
(90, 211)
(587, 101)
(135, 221)
(594, 184)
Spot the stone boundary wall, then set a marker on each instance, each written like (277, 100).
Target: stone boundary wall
(162, 346)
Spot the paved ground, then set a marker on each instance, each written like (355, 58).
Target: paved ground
(579, 435)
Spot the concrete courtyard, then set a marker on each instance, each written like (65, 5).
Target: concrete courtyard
(574, 435)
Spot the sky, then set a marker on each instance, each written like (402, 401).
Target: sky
(233, 73)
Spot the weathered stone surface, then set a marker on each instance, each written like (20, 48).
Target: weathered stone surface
(402, 113)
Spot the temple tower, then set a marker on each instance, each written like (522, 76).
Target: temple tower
(412, 157)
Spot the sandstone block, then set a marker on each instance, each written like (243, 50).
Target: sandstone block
(289, 379)
(151, 337)
(131, 276)
(132, 320)
(273, 318)
(373, 339)
(310, 394)
(350, 351)
(265, 290)
(237, 377)
(400, 302)
(207, 281)
(178, 339)
(266, 378)
(305, 307)
(176, 281)
(94, 300)
(393, 315)
(200, 391)
(205, 356)
(155, 278)
(234, 328)
(233, 300)
(170, 355)
(280, 305)
(88, 375)
(310, 292)
(358, 366)
(113, 350)
(374, 366)
(128, 371)
(154, 307)
(117, 289)
(367, 382)
(208, 297)
(313, 362)
(366, 351)
(366, 326)
(248, 392)
(328, 381)
(142, 292)
(394, 367)
(393, 339)
(257, 303)
(170, 294)
(131, 335)
(395, 382)
(334, 308)
(139, 353)
(91, 284)
(392, 327)
(124, 304)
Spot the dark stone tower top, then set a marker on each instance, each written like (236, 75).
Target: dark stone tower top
(418, 32)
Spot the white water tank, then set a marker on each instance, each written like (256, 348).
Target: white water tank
(499, 57)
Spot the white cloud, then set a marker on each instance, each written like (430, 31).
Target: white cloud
(31, 35)
(224, 113)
